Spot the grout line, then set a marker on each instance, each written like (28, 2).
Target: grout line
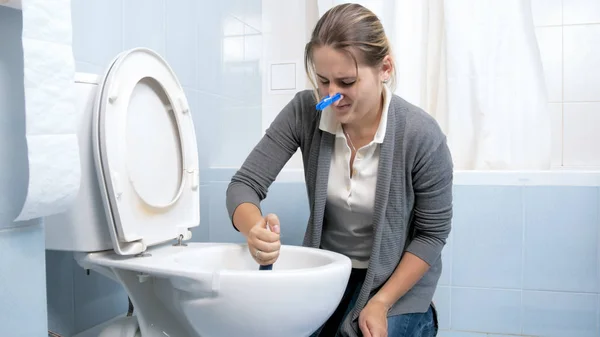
(598, 261)
(523, 237)
(244, 34)
(450, 280)
(529, 290)
(562, 84)
(570, 25)
(562, 134)
(72, 264)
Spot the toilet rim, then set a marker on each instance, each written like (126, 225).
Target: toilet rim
(160, 262)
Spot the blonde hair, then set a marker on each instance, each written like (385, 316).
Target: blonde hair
(346, 27)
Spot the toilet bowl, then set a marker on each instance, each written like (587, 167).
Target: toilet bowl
(139, 199)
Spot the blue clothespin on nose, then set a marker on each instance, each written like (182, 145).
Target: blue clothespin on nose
(327, 101)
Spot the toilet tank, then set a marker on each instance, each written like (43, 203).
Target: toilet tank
(83, 227)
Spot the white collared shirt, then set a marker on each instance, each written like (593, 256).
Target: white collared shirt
(348, 225)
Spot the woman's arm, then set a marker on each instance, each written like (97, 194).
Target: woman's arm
(246, 216)
(249, 186)
(432, 182)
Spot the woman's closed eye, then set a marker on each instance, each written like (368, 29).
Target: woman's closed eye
(344, 83)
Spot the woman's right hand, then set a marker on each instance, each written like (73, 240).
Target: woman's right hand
(264, 244)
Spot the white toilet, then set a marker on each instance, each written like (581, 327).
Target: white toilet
(138, 200)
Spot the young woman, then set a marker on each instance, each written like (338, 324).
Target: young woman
(379, 180)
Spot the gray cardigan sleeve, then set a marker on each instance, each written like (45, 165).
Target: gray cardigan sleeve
(281, 140)
(432, 185)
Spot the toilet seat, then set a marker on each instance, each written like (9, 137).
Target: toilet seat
(146, 153)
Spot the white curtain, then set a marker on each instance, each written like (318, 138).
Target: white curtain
(475, 66)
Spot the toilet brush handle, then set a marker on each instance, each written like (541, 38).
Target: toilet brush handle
(268, 266)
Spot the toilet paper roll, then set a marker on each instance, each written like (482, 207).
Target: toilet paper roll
(51, 118)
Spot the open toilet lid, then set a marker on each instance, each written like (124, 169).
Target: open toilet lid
(146, 153)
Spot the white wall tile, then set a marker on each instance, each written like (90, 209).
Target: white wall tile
(556, 116)
(273, 108)
(253, 47)
(233, 49)
(232, 26)
(295, 163)
(581, 63)
(284, 36)
(288, 36)
(581, 134)
(580, 11)
(550, 44)
(547, 12)
(283, 76)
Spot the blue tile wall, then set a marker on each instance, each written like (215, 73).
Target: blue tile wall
(488, 237)
(561, 239)
(489, 310)
(148, 27)
(96, 299)
(22, 263)
(59, 282)
(22, 281)
(560, 314)
(523, 260)
(182, 44)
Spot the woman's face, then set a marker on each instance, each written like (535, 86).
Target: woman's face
(361, 93)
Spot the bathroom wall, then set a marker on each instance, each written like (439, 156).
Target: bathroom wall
(539, 241)
(215, 48)
(524, 255)
(523, 258)
(22, 277)
(568, 33)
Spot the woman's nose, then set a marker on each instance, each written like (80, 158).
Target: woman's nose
(333, 89)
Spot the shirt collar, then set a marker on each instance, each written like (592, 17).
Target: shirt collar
(329, 124)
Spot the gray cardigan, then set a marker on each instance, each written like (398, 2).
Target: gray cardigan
(413, 199)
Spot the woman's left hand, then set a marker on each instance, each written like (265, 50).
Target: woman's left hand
(373, 319)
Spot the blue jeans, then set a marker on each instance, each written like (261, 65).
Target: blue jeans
(406, 325)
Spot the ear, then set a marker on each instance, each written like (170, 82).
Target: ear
(387, 67)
